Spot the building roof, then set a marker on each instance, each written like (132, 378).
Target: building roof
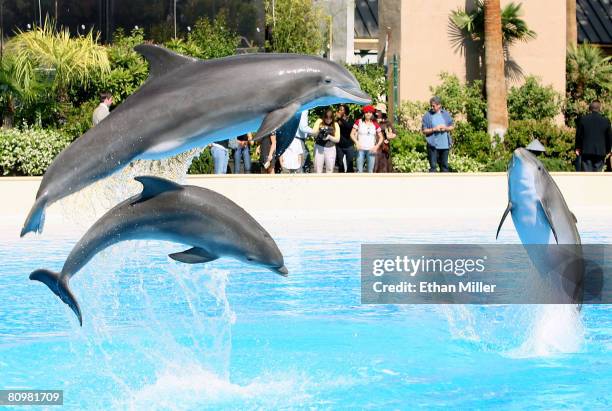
(594, 21)
(366, 19)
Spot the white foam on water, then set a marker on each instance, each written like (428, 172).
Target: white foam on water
(190, 386)
(557, 329)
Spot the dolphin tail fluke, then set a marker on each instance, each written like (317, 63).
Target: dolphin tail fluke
(59, 285)
(36, 218)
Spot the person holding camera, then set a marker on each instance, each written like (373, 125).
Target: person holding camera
(326, 132)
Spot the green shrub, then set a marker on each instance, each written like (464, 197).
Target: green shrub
(79, 119)
(470, 142)
(410, 162)
(29, 151)
(463, 164)
(559, 141)
(410, 115)
(463, 101)
(533, 101)
(203, 164)
(207, 40)
(372, 80)
(407, 141)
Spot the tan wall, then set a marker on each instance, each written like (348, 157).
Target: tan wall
(301, 200)
(426, 48)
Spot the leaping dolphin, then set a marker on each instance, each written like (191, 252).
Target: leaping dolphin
(213, 225)
(187, 103)
(541, 216)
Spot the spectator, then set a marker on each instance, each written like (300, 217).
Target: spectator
(243, 152)
(367, 137)
(304, 131)
(291, 160)
(103, 109)
(345, 149)
(267, 150)
(220, 155)
(383, 157)
(327, 133)
(593, 138)
(437, 125)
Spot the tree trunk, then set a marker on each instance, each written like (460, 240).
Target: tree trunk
(571, 30)
(497, 106)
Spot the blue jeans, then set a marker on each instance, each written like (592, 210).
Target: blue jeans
(437, 157)
(220, 159)
(361, 156)
(244, 154)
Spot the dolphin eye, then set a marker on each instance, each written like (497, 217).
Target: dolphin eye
(327, 80)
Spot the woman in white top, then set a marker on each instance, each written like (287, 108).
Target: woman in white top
(326, 132)
(368, 137)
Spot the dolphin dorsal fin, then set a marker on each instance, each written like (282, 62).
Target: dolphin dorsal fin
(161, 60)
(574, 216)
(153, 186)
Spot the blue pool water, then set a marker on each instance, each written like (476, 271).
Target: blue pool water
(161, 335)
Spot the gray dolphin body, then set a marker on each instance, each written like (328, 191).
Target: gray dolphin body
(189, 103)
(541, 216)
(213, 225)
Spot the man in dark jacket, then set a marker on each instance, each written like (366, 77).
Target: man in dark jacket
(593, 138)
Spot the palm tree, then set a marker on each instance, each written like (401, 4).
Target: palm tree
(467, 31)
(16, 87)
(497, 105)
(45, 52)
(571, 26)
(588, 69)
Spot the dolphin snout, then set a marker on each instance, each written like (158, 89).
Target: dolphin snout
(282, 270)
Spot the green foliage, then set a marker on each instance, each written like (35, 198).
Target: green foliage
(29, 151)
(56, 57)
(128, 68)
(472, 24)
(372, 80)
(79, 119)
(589, 77)
(471, 142)
(207, 40)
(407, 141)
(410, 162)
(296, 26)
(410, 115)
(463, 164)
(203, 164)
(559, 141)
(533, 101)
(463, 100)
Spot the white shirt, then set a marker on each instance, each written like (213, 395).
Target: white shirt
(291, 156)
(366, 133)
(304, 129)
(100, 114)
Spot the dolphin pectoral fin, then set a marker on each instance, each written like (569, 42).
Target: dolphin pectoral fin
(161, 60)
(194, 255)
(286, 134)
(276, 119)
(549, 218)
(59, 286)
(153, 186)
(508, 209)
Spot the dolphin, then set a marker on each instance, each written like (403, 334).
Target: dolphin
(187, 103)
(211, 224)
(541, 216)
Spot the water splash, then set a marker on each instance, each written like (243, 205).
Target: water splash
(143, 308)
(84, 207)
(518, 331)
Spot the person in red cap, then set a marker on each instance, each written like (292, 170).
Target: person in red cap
(368, 137)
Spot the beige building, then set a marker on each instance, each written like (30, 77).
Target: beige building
(418, 33)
